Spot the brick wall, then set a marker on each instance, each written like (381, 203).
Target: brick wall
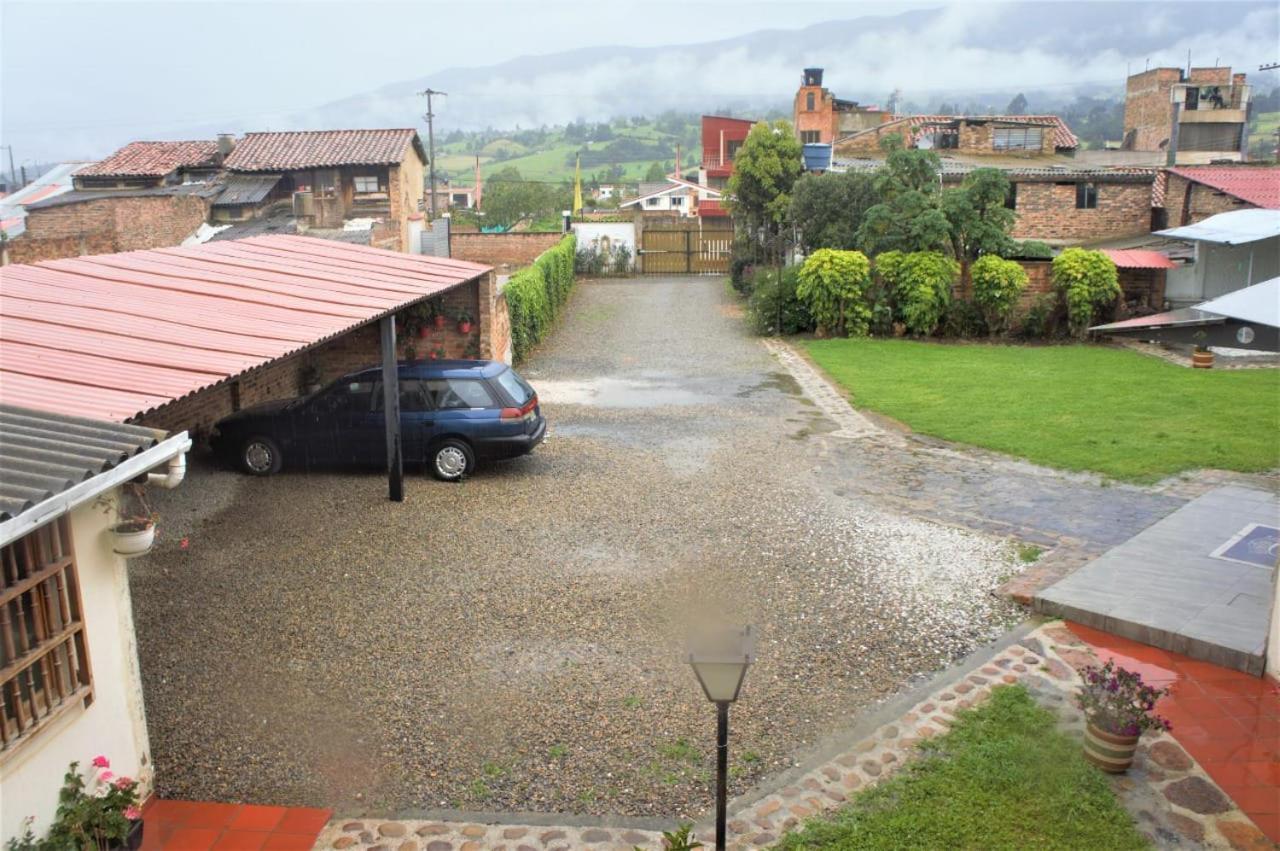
(1148, 114)
(357, 349)
(1139, 286)
(1188, 202)
(105, 225)
(820, 118)
(1047, 211)
(501, 249)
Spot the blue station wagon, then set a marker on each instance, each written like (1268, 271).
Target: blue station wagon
(453, 413)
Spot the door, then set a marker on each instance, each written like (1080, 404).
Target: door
(324, 424)
(368, 436)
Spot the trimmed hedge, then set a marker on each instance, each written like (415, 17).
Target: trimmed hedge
(536, 293)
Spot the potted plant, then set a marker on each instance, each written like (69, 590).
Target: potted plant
(1202, 358)
(1117, 706)
(464, 322)
(102, 814)
(437, 313)
(135, 531)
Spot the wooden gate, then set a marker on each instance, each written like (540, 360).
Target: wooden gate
(686, 247)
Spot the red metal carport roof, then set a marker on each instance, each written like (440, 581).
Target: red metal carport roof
(112, 336)
(1138, 258)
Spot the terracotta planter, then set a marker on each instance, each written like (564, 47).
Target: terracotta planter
(1202, 359)
(464, 327)
(439, 320)
(423, 332)
(1110, 752)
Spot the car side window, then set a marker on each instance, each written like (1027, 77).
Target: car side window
(413, 396)
(347, 397)
(453, 393)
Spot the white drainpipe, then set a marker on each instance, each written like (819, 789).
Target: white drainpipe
(173, 477)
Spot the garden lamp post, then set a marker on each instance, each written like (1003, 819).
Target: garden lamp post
(720, 662)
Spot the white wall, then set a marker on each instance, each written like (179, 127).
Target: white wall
(616, 233)
(115, 724)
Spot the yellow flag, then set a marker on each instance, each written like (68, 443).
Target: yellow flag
(577, 185)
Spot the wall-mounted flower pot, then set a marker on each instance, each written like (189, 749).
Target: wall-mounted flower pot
(424, 331)
(464, 327)
(439, 319)
(134, 538)
(1111, 752)
(434, 356)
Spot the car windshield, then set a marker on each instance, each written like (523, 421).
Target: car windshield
(517, 388)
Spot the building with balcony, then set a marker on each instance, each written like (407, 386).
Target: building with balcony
(1194, 117)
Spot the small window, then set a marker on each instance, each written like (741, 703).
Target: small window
(808, 102)
(366, 183)
(1086, 196)
(44, 663)
(653, 202)
(731, 148)
(677, 201)
(453, 393)
(1017, 138)
(810, 137)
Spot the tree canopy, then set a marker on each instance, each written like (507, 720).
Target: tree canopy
(765, 169)
(828, 209)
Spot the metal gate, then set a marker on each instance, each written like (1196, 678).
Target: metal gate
(686, 248)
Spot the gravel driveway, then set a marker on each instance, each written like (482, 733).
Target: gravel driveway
(512, 642)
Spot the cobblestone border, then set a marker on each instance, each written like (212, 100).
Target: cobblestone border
(849, 423)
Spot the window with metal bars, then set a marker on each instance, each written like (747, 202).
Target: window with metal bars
(44, 661)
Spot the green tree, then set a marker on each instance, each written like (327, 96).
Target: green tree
(508, 198)
(909, 216)
(1087, 280)
(828, 208)
(921, 283)
(1017, 106)
(832, 284)
(655, 173)
(765, 169)
(997, 283)
(978, 219)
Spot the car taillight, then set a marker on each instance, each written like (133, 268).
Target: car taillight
(522, 413)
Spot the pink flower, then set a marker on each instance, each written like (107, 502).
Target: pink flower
(132, 813)
(101, 761)
(184, 543)
(123, 783)
(106, 776)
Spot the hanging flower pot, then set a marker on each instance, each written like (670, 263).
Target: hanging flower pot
(134, 537)
(464, 327)
(439, 319)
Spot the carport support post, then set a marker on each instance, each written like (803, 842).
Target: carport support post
(391, 406)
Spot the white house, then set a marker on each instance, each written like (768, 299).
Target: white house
(675, 196)
(1232, 250)
(69, 674)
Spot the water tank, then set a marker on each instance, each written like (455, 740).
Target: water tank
(304, 204)
(813, 76)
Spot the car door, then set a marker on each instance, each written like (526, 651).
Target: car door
(326, 422)
(416, 421)
(463, 407)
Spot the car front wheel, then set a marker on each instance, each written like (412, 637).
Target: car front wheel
(261, 456)
(451, 460)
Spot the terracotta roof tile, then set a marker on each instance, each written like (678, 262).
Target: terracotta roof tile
(1062, 135)
(151, 159)
(1258, 185)
(321, 149)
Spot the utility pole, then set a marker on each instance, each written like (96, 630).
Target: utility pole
(431, 146)
(13, 175)
(1270, 66)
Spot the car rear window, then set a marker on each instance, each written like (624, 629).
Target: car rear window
(446, 393)
(517, 388)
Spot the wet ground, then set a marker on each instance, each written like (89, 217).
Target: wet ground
(513, 642)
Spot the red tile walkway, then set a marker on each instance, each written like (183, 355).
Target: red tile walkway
(1227, 720)
(202, 826)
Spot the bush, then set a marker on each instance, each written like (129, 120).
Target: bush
(774, 307)
(1039, 321)
(963, 319)
(997, 283)
(1032, 249)
(536, 293)
(588, 261)
(1087, 280)
(921, 284)
(832, 283)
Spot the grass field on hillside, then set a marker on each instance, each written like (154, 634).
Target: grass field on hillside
(1077, 407)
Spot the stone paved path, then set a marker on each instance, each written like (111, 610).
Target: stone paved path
(1175, 803)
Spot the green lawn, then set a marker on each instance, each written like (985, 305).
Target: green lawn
(1115, 412)
(1003, 778)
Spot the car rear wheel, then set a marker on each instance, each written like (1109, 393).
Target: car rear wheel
(261, 456)
(451, 459)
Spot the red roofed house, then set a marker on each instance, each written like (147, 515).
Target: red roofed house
(337, 175)
(139, 165)
(1194, 193)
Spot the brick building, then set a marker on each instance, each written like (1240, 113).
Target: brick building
(1194, 193)
(1193, 117)
(820, 117)
(141, 165)
(333, 176)
(1024, 136)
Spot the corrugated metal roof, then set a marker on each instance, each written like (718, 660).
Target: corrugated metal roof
(53, 182)
(1138, 258)
(43, 454)
(290, 150)
(1234, 228)
(246, 189)
(153, 159)
(1257, 185)
(1259, 304)
(115, 335)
